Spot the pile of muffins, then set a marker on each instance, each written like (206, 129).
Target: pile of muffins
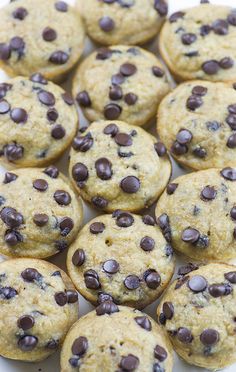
(123, 260)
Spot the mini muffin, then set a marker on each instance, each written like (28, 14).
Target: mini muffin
(116, 338)
(197, 123)
(123, 21)
(115, 165)
(123, 257)
(197, 214)
(198, 43)
(198, 314)
(120, 82)
(39, 213)
(38, 306)
(38, 121)
(45, 36)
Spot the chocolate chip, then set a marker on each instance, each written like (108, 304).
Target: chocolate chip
(175, 16)
(59, 57)
(31, 275)
(38, 78)
(104, 297)
(197, 283)
(194, 102)
(111, 129)
(164, 224)
(152, 279)
(111, 266)
(129, 363)
(157, 368)
(7, 293)
(103, 168)
(40, 185)
(143, 322)
(160, 149)
(124, 219)
(61, 245)
(4, 107)
(168, 310)
(61, 6)
(51, 171)
(209, 337)
(178, 149)
(62, 197)
(112, 111)
(61, 298)
(78, 257)
(233, 213)
(188, 38)
(190, 235)
(107, 307)
(123, 139)
(160, 353)
(232, 18)
(184, 335)
(161, 7)
(213, 126)
(148, 220)
(83, 99)
(5, 52)
(128, 69)
(52, 344)
(58, 132)
(9, 177)
(49, 34)
(72, 296)
(231, 120)
(91, 279)
(27, 343)
(208, 193)
(20, 13)
(97, 228)
(11, 217)
(75, 362)
(184, 136)
(147, 244)
(25, 322)
(219, 290)
(40, 219)
(226, 63)
(229, 174)
(132, 282)
(13, 237)
(232, 109)
(4, 88)
(82, 144)
(162, 319)
(130, 184)
(130, 99)
(200, 152)
(46, 98)
(67, 98)
(17, 44)
(231, 277)
(106, 24)
(103, 54)
(158, 72)
(171, 187)
(80, 346)
(66, 225)
(117, 79)
(199, 90)
(205, 30)
(220, 27)
(210, 67)
(13, 152)
(18, 115)
(183, 270)
(99, 202)
(115, 93)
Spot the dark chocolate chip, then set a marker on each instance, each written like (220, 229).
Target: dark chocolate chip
(59, 57)
(220, 27)
(152, 279)
(160, 149)
(219, 290)
(117, 79)
(52, 344)
(20, 13)
(209, 337)
(25, 322)
(46, 98)
(199, 90)
(80, 346)
(184, 335)
(161, 7)
(160, 353)
(143, 322)
(5, 52)
(40, 219)
(208, 193)
(148, 220)
(97, 228)
(13, 152)
(103, 54)
(194, 102)
(232, 18)
(62, 197)
(231, 277)
(200, 152)
(40, 185)
(124, 219)
(83, 143)
(179, 149)
(9, 177)
(38, 78)
(197, 283)
(99, 202)
(229, 174)
(213, 126)
(83, 99)
(226, 63)
(27, 343)
(190, 235)
(106, 24)
(112, 111)
(168, 310)
(128, 69)
(129, 363)
(51, 171)
(11, 217)
(188, 38)
(111, 129)
(49, 34)
(130, 184)
(31, 275)
(58, 132)
(175, 16)
(183, 270)
(103, 168)
(158, 72)
(111, 266)
(107, 307)
(4, 107)
(115, 93)
(61, 245)
(132, 282)
(184, 136)
(7, 293)
(123, 139)
(91, 279)
(66, 225)
(61, 298)
(80, 173)
(67, 98)
(147, 244)
(130, 99)
(72, 296)
(171, 187)
(61, 6)
(78, 257)
(210, 67)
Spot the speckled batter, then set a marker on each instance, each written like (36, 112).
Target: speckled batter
(197, 214)
(120, 82)
(198, 43)
(197, 123)
(116, 338)
(121, 256)
(110, 165)
(123, 21)
(44, 36)
(38, 306)
(198, 313)
(37, 122)
(39, 214)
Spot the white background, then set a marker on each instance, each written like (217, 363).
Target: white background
(52, 363)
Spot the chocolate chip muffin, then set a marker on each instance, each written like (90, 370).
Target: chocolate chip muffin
(197, 214)
(198, 43)
(197, 123)
(115, 165)
(120, 82)
(44, 36)
(111, 22)
(198, 314)
(123, 257)
(39, 214)
(113, 338)
(38, 306)
(38, 121)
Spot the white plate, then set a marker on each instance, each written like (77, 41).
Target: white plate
(52, 363)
